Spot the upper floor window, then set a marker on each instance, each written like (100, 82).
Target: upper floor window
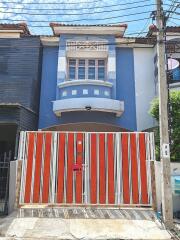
(91, 69)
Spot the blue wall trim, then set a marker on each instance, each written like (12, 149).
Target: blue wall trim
(125, 86)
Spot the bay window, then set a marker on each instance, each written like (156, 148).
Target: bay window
(86, 69)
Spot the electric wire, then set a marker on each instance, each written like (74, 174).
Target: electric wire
(47, 26)
(61, 3)
(172, 10)
(72, 9)
(75, 14)
(145, 26)
(86, 19)
(79, 20)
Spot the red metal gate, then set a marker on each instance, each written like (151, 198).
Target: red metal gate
(86, 168)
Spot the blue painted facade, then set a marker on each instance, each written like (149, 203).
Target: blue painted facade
(120, 76)
(48, 87)
(126, 86)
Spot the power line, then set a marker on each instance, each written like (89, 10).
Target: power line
(76, 14)
(47, 26)
(61, 3)
(173, 22)
(175, 18)
(66, 9)
(177, 13)
(172, 10)
(145, 26)
(85, 19)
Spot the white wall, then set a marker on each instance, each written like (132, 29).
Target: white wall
(175, 170)
(144, 86)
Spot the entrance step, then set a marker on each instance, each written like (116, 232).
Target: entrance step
(58, 228)
(87, 213)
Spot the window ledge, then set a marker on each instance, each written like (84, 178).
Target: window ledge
(84, 82)
(174, 84)
(82, 104)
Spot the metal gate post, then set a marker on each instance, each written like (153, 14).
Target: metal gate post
(86, 169)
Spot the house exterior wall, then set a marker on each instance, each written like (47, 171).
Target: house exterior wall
(130, 71)
(19, 71)
(120, 73)
(20, 116)
(62, 63)
(126, 87)
(144, 86)
(48, 87)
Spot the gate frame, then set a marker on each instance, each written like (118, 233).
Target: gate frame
(5, 164)
(20, 172)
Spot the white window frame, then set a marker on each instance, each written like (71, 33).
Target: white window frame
(86, 68)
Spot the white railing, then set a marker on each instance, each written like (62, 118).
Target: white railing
(86, 46)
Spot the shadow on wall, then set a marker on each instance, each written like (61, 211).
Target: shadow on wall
(86, 127)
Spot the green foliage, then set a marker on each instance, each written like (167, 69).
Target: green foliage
(175, 125)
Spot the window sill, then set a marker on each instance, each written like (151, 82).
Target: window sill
(174, 85)
(84, 82)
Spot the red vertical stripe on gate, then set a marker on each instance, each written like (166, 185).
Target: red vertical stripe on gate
(134, 169)
(70, 162)
(27, 193)
(125, 168)
(93, 171)
(102, 170)
(46, 174)
(38, 164)
(61, 158)
(142, 153)
(79, 162)
(110, 143)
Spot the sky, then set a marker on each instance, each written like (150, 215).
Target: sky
(39, 13)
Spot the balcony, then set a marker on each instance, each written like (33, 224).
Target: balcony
(88, 104)
(85, 88)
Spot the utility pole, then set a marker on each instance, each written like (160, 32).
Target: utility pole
(167, 210)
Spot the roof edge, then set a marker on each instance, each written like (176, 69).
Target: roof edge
(109, 29)
(20, 28)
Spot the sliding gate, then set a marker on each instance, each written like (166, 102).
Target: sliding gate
(86, 168)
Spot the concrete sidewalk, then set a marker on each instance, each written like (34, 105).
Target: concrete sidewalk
(13, 227)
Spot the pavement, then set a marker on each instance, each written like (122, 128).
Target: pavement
(90, 224)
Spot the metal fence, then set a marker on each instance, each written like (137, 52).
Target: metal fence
(4, 182)
(86, 168)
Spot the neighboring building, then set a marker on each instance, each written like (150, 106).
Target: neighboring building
(173, 54)
(20, 65)
(95, 79)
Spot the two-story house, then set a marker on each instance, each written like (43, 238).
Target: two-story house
(95, 79)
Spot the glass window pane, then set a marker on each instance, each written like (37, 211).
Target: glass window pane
(91, 73)
(81, 73)
(101, 73)
(82, 62)
(72, 72)
(91, 62)
(101, 62)
(72, 62)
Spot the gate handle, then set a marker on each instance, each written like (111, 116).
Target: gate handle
(77, 167)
